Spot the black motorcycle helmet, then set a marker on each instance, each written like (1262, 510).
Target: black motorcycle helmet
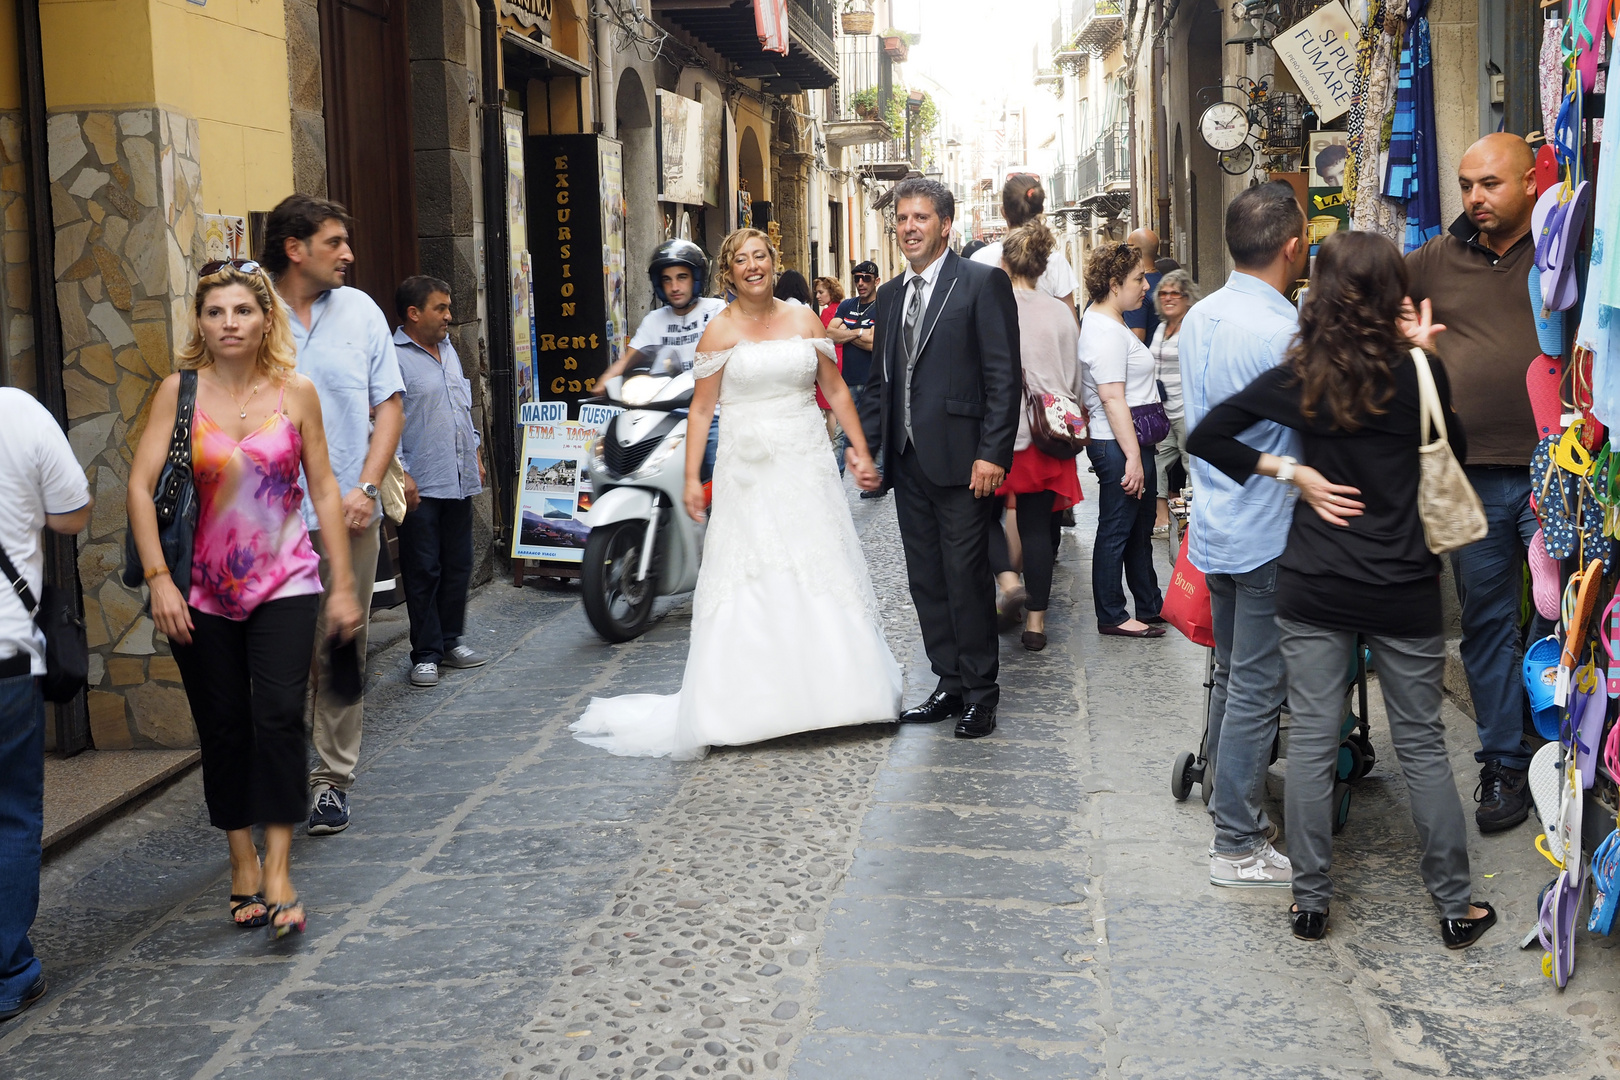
(678, 253)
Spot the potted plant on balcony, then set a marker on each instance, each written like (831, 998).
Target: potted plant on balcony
(897, 44)
(865, 103)
(857, 17)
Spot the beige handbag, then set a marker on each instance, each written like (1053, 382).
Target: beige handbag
(391, 492)
(1448, 505)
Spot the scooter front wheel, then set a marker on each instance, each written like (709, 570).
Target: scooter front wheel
(617, 605)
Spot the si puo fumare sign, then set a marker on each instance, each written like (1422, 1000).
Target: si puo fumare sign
(1320, 53)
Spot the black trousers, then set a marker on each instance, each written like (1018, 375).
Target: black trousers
(1039, 533)
(246, 683)
(946, 535)
(435, 562)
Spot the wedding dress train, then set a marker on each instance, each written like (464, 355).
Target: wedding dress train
(785, 629)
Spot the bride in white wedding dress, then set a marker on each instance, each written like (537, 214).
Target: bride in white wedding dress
(785, 629)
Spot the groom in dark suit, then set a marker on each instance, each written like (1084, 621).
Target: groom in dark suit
(946, 366)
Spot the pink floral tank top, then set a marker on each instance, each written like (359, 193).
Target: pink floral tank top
(251, 543)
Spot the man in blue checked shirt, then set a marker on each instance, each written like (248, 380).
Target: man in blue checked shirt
(443, 472)
(1238, 531)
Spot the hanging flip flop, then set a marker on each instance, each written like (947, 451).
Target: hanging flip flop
(1549, 324)
(1565, 290)
(1589, 45)
(1605, 884)
(1543, 776)
(1544, 224)
(1543, 578)
(1590, 581)
(1546, 167)
(1552, 492)
(1558, 913)
(1608, 634)
(1543, 381)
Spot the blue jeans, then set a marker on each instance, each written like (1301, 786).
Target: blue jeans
(1490, 583)
(1243, 703)
(1124, 540)
(711, 449)
(22, 820)
(856, 392)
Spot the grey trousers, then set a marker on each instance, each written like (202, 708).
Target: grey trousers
(1409, 673)
(1243, 705)
(336, 727)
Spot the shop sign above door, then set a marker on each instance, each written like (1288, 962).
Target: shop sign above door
(1320, 53)
(530, 13)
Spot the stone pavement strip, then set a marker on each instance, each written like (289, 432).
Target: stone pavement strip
(868, 903)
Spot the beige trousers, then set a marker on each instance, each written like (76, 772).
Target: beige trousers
(336, 731)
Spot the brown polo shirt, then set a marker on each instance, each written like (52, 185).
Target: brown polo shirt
(1490, 339)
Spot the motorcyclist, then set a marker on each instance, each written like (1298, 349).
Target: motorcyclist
(670, 333)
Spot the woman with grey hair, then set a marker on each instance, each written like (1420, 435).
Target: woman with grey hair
(1174, 296)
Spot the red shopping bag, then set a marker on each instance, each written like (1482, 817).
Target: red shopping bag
(1186, 601)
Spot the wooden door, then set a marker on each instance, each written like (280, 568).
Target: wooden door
(370, 168)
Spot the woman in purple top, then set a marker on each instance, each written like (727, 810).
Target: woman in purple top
(243, 626)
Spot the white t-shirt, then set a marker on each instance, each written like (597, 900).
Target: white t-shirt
(38, 476)
(664, 331)
(1058, 280)
(1110, 353)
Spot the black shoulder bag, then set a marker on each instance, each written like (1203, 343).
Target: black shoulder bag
(175, 499)
(67, 653)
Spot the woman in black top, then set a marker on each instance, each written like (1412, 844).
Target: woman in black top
(1356, 561)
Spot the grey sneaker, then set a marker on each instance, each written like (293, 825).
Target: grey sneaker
(425, 675)
(1267, 868)
(463, 657)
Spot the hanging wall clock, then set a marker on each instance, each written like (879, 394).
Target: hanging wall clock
(1237, 161)
(1224, 126)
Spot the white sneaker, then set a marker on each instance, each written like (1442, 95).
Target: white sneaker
(425, 675)
(1267, 868)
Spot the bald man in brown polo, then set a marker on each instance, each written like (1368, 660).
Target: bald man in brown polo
(1476, 278)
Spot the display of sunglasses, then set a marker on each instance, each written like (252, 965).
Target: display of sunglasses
(215, 266)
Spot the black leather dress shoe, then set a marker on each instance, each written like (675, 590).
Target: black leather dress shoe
(939, 706)
(1309, 925)
(1461, 933)
(978, 721)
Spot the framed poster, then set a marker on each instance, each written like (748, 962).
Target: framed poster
(554, 490)
(1326, 156)
(569, 253)
(680, 148)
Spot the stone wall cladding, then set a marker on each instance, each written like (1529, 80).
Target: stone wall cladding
(306, 97)
(126, 203)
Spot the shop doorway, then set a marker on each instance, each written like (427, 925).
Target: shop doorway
(642, 230)
(370, 169)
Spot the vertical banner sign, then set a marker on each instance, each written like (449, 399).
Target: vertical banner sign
(517, 224)
(611, 158)
(565, 238)
(553, 490)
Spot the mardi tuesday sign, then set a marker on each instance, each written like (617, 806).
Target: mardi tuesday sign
(1320, 53)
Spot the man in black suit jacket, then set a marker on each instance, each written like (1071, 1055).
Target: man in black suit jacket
(947, 372)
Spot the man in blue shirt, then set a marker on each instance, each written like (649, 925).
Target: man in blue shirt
(1238, 531)
(1145, 319)
(439, 450)
(345, 349)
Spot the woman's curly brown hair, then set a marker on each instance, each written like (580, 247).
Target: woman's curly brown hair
(1109, 265)
(1026, 249)
(728, 251)
(1348, 331)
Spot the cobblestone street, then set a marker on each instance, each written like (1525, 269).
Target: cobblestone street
(870, 903)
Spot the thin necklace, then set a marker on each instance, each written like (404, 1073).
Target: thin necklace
(765, 322)
(241, 406)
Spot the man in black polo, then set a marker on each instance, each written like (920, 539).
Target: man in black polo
(851, 327)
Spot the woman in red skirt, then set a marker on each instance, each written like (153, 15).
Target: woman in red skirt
(1043, 485)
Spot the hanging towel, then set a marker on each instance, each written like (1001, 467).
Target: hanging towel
(1413, 175)
(771, 25)
(1370, 209)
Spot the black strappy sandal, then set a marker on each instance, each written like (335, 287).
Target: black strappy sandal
(239, 903)
(281, 930)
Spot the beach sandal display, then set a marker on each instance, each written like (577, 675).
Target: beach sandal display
(1543, 778)
(1549, 324)
(1544, 217)
(1558, 914)
(1560, 284)
(1543, 382)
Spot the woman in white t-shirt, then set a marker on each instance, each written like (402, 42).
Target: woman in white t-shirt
(1023, 199)
(1117, 372)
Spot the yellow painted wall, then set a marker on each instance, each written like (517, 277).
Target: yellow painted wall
(224, 63)
(10, 90)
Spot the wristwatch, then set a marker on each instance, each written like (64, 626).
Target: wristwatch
(1285, 471)
(370, 490)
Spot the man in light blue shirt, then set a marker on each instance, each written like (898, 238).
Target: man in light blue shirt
(1238, 531)
(346, 350)
(442, 474)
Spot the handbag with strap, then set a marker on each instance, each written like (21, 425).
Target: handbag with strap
(1448, 505)
(1057, 423)
(391, 492)
(67, 650)
(1151, 422)
(174, 498)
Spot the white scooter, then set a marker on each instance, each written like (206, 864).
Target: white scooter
(643, 544)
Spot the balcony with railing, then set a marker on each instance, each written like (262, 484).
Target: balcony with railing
(811, 62)
(1103, 173)
(1047, 75)
(1098, 24)
(865, 79)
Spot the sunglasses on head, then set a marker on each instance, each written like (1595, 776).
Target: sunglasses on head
(216, 266)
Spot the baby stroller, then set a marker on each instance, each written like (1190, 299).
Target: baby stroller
(1356, 754)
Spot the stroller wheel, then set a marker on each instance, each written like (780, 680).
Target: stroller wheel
(1352, 762)
(1341, 806)
(1369, 756)
(1181, 778)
